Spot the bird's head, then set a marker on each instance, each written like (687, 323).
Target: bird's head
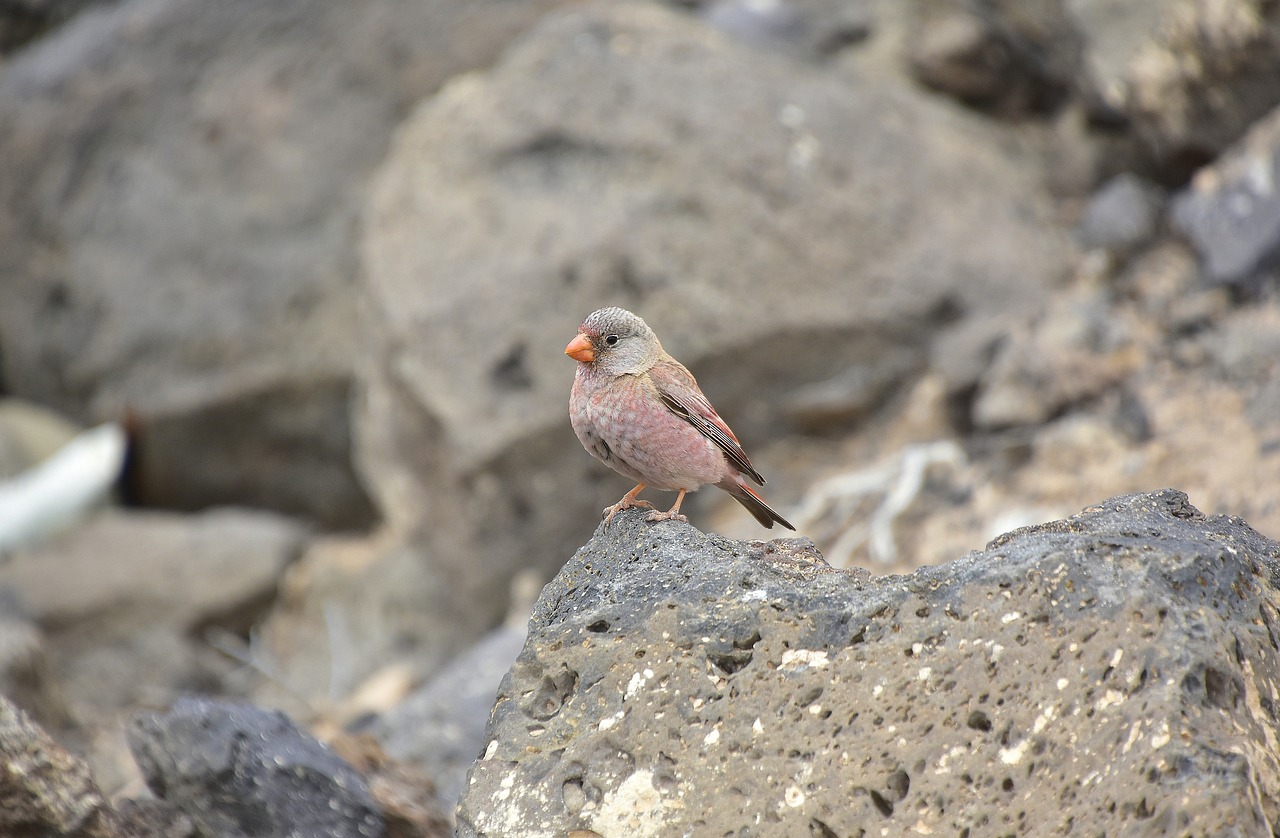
(615, 341)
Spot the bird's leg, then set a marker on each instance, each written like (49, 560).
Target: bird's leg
(673, 512)
(629, 500)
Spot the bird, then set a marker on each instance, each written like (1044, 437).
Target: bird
(640, 412)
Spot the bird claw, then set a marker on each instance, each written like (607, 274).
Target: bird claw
(666, 516)
(609, 511)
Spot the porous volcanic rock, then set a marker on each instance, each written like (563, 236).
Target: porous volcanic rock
(1114, 672)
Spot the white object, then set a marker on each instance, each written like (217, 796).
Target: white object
(47, 497)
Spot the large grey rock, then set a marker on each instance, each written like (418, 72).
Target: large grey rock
(1231, 210)
(1190, 77)
(240, 772)
(1113, 672)
(180, 185)
(777, 226)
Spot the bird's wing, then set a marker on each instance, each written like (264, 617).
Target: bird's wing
(679, 391)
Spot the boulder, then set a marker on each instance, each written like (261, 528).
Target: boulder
(241, 772)
(1230, 211)
(177, 233)
(778, 227)
(1111, 672)
(1189, 77)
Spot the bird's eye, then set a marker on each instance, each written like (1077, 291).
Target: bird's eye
(611, 340)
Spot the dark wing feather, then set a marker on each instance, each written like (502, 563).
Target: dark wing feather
(680, 393)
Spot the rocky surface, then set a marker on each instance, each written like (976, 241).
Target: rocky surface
(44, 790)
(947, 268)
(1112, 672)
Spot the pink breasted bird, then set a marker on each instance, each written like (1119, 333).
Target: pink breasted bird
(640, 412)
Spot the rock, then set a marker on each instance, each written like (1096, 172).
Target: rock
(1073, 352)
(349, 607)
(1231, 210)
(29, 433)
(440, 727)
(405, 794)
(43, 789)
(1121, 216)
(177, 228)
(166, 569)
(1189, 77)
(731, 217)
(24, 668)
(1011, 58)
(24, 20)
(1111, 672)
(127, 604)
(239, 772)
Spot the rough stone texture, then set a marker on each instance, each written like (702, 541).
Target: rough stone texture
(240, 772)
(181, 182)
(732, 215)
(1231, 210)
(1114, 672)
(43, 789)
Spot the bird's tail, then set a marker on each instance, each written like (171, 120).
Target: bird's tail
(755, 504)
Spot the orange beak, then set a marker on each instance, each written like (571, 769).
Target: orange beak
(580, 349)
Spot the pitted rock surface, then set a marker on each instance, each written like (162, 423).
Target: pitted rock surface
(1112, 673)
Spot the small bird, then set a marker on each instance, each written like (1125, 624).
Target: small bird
(640, 412)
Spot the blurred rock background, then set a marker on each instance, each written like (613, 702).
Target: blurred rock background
(947, 267)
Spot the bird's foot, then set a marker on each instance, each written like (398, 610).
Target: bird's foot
(669, 515)
(625, 503)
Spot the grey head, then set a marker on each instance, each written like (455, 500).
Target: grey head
(622, 342)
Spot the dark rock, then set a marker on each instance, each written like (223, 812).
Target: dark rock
(1113, 673)
(240, 772)
(177, 233)
(1231, 210)
(24, 20)
(1122, 215)
(772, 223)
(45, 791)
(1009, 57)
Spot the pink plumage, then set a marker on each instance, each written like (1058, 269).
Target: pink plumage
(640, 412)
